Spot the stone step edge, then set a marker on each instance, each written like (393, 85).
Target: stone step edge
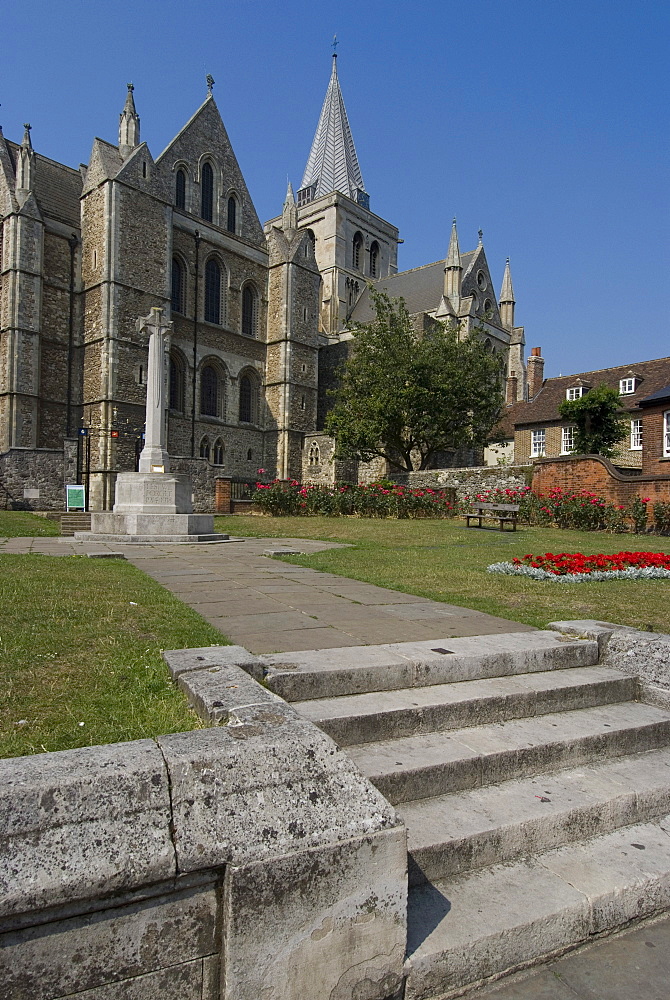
(358, 729)
(324, 673)
(590, 899)
(483, 768)
(530, 831)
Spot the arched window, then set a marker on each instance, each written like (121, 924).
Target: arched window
(210, 393)
(207, 192)
(231, 220)
(217, 456)
(248, 400)
(314, 454)
(374, 260)
(204, 448)
(249, 310)
(250, 454)
(176, 382)
(212, 291)
(488, 346)
(180, 189)
(177, 286)
(357, 248)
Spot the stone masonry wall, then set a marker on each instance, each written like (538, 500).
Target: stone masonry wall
(242, 861)
(40, 470)
(470, 481)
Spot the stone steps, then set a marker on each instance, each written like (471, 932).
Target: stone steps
(431, 764)
(331, 673)
(534, 787)
(366, 718)
(454, 833)
(492, 920)
(69, 523)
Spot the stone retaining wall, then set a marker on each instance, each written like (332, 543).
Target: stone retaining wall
(469, 481)
(250, 860)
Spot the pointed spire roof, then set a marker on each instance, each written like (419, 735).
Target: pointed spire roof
(290, 211)
(129, 124)
(333, 164)
(507, 292)
(454, 253)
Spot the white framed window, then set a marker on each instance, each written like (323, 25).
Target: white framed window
(567, 440)
(538, 440)
(576, 392)
(626, 386)
(636, 434)
(666, 433)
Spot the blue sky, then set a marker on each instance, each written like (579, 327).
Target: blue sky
(544, 123)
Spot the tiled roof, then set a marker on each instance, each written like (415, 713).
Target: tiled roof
(504, 429)
(57, 189)
(421, 288)
(656, 397)
(651, 375)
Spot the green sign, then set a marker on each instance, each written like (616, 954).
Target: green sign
(75, 497)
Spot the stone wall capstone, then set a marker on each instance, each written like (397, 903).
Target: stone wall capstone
(247, 860)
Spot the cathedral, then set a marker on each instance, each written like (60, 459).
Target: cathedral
(260, 314)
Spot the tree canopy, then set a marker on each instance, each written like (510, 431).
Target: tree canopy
(597, 417)
(406, 396)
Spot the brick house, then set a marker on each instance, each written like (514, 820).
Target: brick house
(644, 387)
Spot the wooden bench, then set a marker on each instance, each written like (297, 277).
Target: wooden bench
(505, 513)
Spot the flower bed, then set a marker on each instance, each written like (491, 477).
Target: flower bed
(382, 499)
(576, 509)
(575, 567)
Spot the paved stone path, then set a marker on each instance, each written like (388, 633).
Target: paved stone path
(267, 605)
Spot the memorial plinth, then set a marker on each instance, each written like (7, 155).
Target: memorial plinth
(153, 505)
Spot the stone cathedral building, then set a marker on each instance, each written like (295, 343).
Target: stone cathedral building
(259, 314)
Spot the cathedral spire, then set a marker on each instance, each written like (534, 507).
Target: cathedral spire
(290, 212)
(453, 268)
(129, 125)
(333, 164)
(506, 301)
(25, 164)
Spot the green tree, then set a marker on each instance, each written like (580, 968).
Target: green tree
(597, 417)
(404, 396)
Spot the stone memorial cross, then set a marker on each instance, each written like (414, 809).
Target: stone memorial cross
(154, 457)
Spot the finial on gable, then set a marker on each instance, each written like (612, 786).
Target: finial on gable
(480, 234)
(210, 83)
(27, 142)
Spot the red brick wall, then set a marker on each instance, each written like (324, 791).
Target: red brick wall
(598, 475)
(222, 496)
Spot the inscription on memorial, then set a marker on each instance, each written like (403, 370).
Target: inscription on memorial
(158, 493)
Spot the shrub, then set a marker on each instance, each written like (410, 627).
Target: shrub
(381, 499)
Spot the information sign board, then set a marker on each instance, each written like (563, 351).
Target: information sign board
(75, 497)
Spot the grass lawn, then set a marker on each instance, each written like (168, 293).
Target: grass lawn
(22, 524)
(80, 662)
(445, 561)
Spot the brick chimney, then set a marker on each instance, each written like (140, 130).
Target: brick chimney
(535, 370)
(512, 388)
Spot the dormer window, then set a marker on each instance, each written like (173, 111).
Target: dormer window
(627, 386)
(576, 392)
